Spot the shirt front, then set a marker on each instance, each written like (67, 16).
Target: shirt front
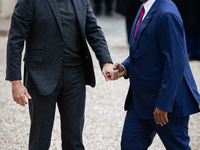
(147, 7)
(72, 38)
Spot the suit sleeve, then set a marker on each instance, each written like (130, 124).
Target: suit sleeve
(21, 21)
(173, 52)
(96, 38)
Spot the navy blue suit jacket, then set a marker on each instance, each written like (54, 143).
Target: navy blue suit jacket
(158, 67)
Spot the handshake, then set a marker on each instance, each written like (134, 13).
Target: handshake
(113, 72)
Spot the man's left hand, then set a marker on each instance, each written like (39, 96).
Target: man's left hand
(109, 73)
(160, 116)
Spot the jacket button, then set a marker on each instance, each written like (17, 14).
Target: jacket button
(61, 43)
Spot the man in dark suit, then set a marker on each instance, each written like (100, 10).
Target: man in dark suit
(162, 91)
(58, 65)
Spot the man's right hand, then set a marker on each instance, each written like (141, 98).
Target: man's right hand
(121, 69)
(19, 92)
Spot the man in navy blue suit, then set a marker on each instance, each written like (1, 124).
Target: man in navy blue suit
(162, 91)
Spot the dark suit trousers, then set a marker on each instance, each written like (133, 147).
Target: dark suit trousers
(138, 133)
(69, 95)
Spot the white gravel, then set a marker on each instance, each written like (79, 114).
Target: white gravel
(104, 115)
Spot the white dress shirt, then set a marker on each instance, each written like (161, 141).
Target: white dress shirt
(147, 7)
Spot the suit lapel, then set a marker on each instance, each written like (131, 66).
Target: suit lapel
(143, 25)
(54, 8)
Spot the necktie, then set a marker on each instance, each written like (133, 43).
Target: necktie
(139, 21)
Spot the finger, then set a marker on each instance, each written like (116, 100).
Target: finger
(116, 66)
(116, 74)
(159, 122)
(16, 99)
(22, 100)
(112, 76)
(162, 121)
(156, 118)
(166, 119)
(17, 102)
(108, 75)
(27, 95)
(105, 76)
(21, 103)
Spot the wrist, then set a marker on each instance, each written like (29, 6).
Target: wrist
(106, 64)
(15, 82)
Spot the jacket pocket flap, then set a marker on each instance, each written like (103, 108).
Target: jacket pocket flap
(35, 46)
(33, 58)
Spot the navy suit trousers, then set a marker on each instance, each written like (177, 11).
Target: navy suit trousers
(138, 133)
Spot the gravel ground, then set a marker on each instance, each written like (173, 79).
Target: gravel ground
(104, 114)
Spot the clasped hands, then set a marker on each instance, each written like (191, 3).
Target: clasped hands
(113, 72)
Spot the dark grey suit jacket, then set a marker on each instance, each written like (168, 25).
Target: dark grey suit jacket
(38, 24)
